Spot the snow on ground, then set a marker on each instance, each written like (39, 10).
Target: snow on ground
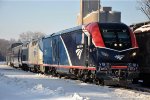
(2, 63)
(20, 85)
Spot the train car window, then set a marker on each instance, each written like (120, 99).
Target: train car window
(73, 36)
(77, 36)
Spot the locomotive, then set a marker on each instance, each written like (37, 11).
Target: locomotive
(104, 53)
(143, 38)
(13, 56)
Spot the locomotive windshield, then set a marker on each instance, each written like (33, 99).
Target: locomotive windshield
(116, 38)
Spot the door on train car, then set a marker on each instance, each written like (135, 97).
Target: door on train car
(86, 50)
(78, 39)
(90, 51)
(55, 50)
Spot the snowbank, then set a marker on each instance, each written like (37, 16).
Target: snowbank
(20, 85)
(13, 88)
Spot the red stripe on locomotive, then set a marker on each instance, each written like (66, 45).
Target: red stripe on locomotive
(93, 28)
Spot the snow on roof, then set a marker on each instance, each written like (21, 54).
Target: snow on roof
(144, 28)
(93, 12)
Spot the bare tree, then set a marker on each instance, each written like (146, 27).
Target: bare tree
(37, 35)
(11, 41)
(144, 6)
(28, 36)
(4, 44)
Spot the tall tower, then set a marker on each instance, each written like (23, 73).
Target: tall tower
(91, 11)
(87, 6)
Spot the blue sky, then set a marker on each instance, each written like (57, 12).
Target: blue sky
(48, 16)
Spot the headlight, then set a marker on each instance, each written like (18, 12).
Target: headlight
(134, 54)
(115, 44)
(120, 45)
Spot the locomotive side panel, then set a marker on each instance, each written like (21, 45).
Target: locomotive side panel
(25, 56)
(35, 53)
(54, 51)
(63, 58)
(47, 50)
(13, 56)
(40, 52)
(32, 53)
(16, 56)
(74, 46)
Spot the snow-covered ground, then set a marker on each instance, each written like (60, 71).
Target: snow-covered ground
(20, 85)
(2, 63)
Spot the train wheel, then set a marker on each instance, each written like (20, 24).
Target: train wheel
(135, 81)
(35, 69)
(59, 75)
(27, 68)
(30, 69)
(42, 69)
(12, 65)
(85, 78)
(79, 74)
(53, 72)
(102, 82)
(96, 81)
(46, 70)
(72, 71)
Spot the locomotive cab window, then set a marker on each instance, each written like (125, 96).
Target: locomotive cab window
(78, 37)
(116, 38)
(123, 36)
(109, 36)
